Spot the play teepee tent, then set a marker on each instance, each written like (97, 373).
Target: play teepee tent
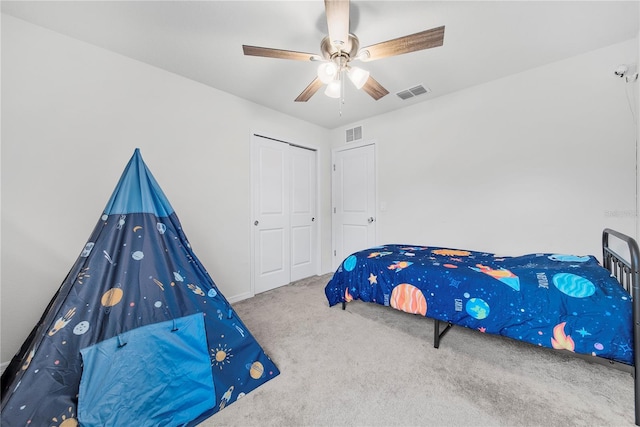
(138, 333)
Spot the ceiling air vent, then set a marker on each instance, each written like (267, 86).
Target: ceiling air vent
(354, 134)
(414, 91)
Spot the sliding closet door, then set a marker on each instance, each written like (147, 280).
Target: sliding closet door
(303, 208)
(284, 206)
(271, 214)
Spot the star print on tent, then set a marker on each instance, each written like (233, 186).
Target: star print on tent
(138, 333)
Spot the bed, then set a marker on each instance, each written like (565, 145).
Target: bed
(564, 302)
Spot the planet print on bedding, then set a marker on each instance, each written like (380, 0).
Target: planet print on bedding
(408, 298)
(573, 285)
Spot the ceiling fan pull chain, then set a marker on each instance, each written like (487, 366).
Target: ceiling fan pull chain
(341, 99)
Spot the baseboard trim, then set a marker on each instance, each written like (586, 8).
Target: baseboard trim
(239, 297)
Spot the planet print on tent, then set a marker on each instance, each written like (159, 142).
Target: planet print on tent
(43, 384)
(256, 370)
(87, 249)
(161, 227)
(112, 297)
(81, 328)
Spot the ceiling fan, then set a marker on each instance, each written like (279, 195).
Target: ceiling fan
(340, 48)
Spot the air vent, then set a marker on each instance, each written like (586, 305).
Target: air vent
(414, 91)
(354, 134)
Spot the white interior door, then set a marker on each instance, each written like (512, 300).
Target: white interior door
(271, 214)
(353, 195)
(284, 198)
(303, 213)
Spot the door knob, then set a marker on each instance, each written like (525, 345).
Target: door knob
(255, 222)
(313, 219)
(370, 219)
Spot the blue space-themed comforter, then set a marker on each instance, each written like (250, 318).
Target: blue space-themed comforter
(551, 300)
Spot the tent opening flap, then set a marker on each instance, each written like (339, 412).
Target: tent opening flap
(159, 374)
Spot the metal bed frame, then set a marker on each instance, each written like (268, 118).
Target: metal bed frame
(627, 272)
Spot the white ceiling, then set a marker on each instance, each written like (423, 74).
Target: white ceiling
(202, 40)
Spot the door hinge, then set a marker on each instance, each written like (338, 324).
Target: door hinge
(334, 253)
(334, 167)
(334, 210)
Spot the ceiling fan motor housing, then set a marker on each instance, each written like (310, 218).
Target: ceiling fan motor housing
(329, 51)
(340, 47)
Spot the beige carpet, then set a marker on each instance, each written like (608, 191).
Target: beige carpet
(374, 366)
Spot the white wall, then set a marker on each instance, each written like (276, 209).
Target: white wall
(522, 164)
(538, 161)
(72, 115)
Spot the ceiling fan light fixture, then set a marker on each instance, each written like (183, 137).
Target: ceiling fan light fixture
(327, 72)
(340, 47)
(333, 89)
(358, 76)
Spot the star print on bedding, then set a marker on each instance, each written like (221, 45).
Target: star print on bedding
(552, 300)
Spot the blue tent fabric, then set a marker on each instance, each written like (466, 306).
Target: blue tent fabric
(170, 385)
(136, 269)
(138, 192)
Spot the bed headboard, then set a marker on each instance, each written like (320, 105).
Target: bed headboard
(626, 271)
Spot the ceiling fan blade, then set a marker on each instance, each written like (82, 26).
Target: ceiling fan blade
(418, 41)
(310, 90)
(338, 22)
(279, 53)
(374, 89)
